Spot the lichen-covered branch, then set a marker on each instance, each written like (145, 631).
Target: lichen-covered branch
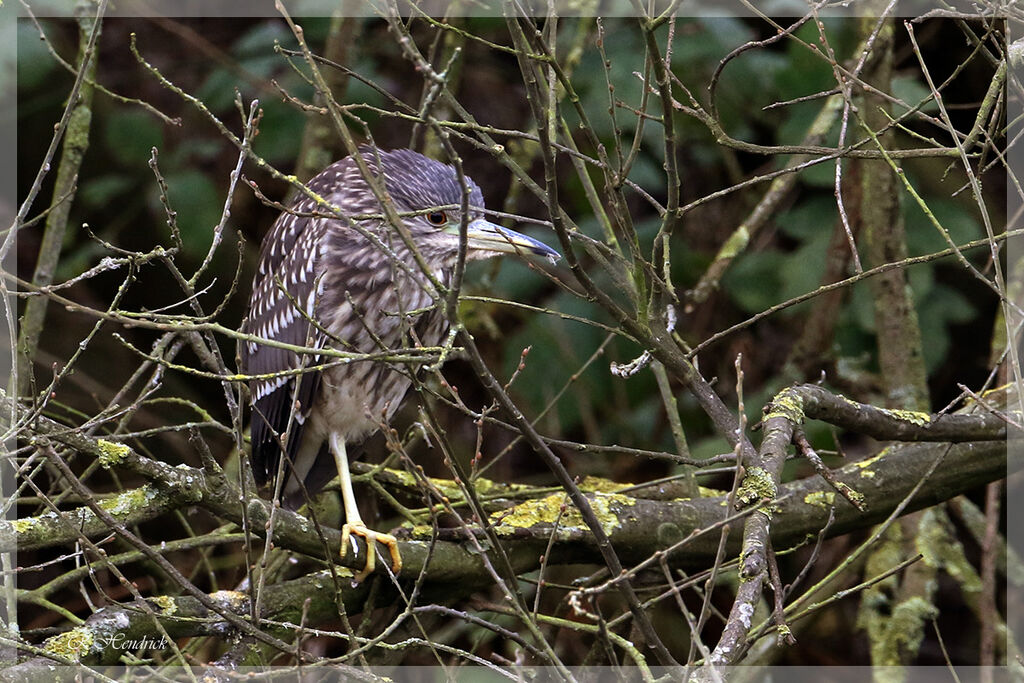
(636, 526)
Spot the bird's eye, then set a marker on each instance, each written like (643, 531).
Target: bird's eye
(437, 217)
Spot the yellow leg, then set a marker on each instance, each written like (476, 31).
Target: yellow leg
(354, 521)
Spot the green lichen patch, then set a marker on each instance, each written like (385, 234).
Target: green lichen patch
(491, 488)
(420, 532)
(789, 404)
(592, 484)
(112, 453)
(865, 465)
(166, 604)
(821, 499)
(22, 526)
(912, 416)
(402, 477)
(451, 489)
(706, 492)
(73, 644)
(530, 513)
(757, 485)
(446, 487)
(557, 508)
(129, 501)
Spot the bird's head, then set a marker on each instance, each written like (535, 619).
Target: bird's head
(428, 193)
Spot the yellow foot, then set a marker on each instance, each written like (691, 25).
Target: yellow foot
(372, 538)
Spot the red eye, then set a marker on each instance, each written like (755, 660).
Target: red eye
(437, 217)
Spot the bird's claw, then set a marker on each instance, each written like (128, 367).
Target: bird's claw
(372, 538)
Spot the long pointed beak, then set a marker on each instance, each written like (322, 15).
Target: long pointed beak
(483, 235)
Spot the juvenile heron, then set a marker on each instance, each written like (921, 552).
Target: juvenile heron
(352, 283)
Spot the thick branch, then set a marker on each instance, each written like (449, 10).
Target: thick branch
(637, 527)
(896, 425)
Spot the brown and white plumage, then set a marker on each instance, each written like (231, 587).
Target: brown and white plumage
(366, 293)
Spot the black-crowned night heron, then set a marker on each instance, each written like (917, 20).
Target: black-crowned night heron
(352, 284)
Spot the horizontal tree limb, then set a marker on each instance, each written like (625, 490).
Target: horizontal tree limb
(892, 425)
(638, 527)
